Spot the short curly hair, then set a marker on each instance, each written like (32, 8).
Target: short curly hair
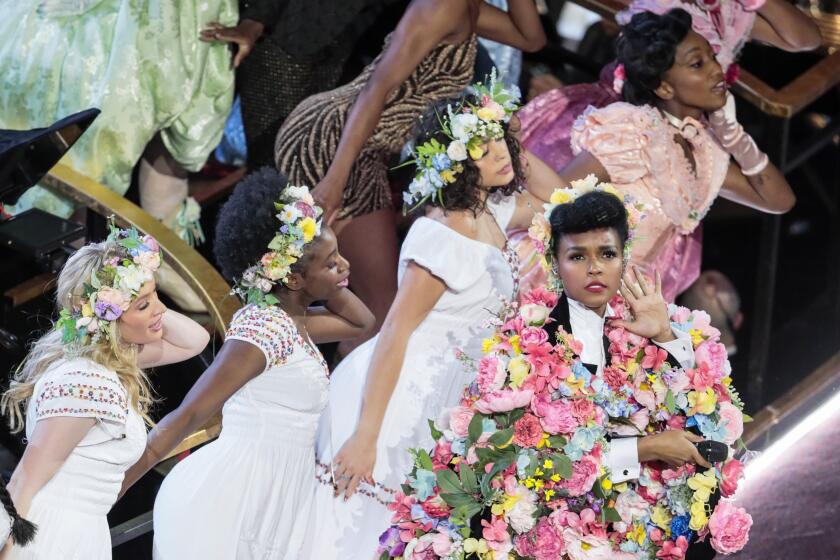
(646, 47)
(247, 222)
(590, 211)
(465, 192)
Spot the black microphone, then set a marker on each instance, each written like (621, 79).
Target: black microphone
(712, 451)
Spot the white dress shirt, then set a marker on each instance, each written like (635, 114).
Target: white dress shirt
(588, 328)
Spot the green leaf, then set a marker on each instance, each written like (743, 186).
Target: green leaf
(424, 461)
(611, 515)
(562, 465)
(670, 404)
(515, 415)
(598, 490)
(475, 429)
(435, 432)
(747, 418)
(557, 442)
(468, 480)
(461, 515)
(457, 499)
(448, 482)
(501, 438)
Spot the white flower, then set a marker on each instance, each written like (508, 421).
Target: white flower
(534, 313)
(289, 214)
(264, 285)
(521, 517)
(421, 186)
(298, 193)
(456, 151)
(463, 125)
(585, 185)
(408, 198)
(131, 278)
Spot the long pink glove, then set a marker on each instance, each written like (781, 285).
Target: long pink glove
(738, 143)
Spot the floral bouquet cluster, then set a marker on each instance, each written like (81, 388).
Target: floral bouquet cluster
(299, 224)
(111, 288)
(467, 126)
(662, 511)
(518, 467)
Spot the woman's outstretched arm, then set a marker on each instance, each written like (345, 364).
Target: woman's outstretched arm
(783, 25)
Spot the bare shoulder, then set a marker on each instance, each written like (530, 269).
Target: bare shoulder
(463, 222)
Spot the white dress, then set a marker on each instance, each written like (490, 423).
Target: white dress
(247, 495)
(70, 510)
(477, 276)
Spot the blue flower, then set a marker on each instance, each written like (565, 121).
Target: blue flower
(459, 447)
(582, 442)
(441, 162)
(629, 546)
(488, 425)
(679, 528)
(424, 484)
(434, 178)
(709, 428)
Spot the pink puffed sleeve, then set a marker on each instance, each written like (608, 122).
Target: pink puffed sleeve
(615, 136)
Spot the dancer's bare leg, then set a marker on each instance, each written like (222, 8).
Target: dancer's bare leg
(369, 243)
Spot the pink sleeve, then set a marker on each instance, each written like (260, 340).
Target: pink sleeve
(615, 136)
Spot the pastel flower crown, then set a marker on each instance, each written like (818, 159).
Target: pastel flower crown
(468, 126)
(540, 230)
(112, 288)
(300, 224)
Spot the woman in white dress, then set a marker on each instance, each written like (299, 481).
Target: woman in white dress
(86, 396)
(455, 267)
(247, 495)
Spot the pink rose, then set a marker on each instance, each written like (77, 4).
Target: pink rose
(435, 506)
(584, 474)
(543, 542)
(491, 374)
(533, 336)
(732, 420)
(614, 377)
(556, 417)
(540, 296)
(151, 243)
(442, 454)
(732, 473)
(148, 260)
(582, 410)
(676, 423)
(459, 420)
(730, 527)
(527, 431)
(113, 297)
(504, 400)
(534, 313)
(702, 377)
(713, 355)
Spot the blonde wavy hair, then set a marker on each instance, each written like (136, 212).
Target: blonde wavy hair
(111, 352)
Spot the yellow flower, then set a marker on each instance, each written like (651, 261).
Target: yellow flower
(696, 336)
(476, 151)
(479, 546)
(519, 370)
(549, 494)
(585, 546)
(575, 383)
(621, 487)
(539, 472)
(610, 188)
(632, 367)
(308, 226)
(555, 478)
(488, 343)
(638, 534)
(538, 485)
(548, 464)
(702, 402)
(530, 482)
(485, 114)
(703, 484)
(606, 484)
(561, 196)
(699, 516)
(661, 517)
(447, 175)
(87, 311)
(543, 441)
(727, 381)
(514, 342)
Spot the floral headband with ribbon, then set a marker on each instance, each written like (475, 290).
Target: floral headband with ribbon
(111, 289)
(540, 230)
(299, 224)
(468, 126)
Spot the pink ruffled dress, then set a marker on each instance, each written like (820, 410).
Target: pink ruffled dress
(637, 148)
(548, 118)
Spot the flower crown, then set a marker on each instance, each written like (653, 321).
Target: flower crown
(540, 230)
(468, 126)
(300, 224)
(112, 288)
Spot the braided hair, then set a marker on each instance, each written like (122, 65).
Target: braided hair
(23, 531)
(646, 47)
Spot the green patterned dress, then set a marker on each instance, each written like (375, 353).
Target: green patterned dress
(139, 61)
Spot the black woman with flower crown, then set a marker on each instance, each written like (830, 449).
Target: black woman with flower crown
(248, 494)
(83, 397)
(455, 268)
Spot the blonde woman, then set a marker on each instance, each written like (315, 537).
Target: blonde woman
(85, 397)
